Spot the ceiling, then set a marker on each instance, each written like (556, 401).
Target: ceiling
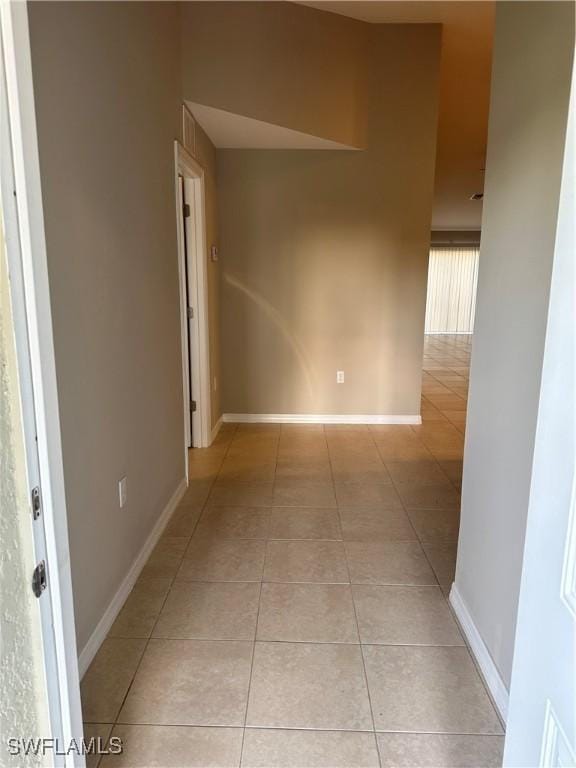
(463, 110)
(228, 130)
(464, 93)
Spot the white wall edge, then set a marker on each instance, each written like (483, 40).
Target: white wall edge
(215, 430)
(481, 653)
(319, 418)
(99, 635)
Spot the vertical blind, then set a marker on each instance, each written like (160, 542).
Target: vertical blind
(451, 298)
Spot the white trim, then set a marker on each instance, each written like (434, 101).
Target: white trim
(60, 636)
(190, 169)
(481, 653)
(319, 418)
(216, 429)
(115, 606)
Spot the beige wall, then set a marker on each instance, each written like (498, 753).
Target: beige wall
(534, 46)
(277, 62)
(324, 254)
(107, 88)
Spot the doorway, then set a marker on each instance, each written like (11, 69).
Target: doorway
(193, 300)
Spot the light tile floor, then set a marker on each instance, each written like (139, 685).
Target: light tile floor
(294, 613)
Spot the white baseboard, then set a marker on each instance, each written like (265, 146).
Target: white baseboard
(481, 653)
(99, 635)
(215, 430)
(319, 418)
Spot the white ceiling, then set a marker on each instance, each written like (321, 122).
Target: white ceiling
(230, 131)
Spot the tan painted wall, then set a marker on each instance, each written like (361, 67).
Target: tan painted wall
(278, 62)
(24, 709)
(324, 253)
(534, 46)
(107, 87)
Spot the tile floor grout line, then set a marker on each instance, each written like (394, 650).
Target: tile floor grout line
(258, 613)
(172, 580)
(414, 529)
(218, 726)
(356, 619)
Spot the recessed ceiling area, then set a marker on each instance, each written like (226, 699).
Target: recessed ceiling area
(465, 69)
(464, 96)
(230, 131)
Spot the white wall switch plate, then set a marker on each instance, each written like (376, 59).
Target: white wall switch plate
(339, 377)
(123, 491)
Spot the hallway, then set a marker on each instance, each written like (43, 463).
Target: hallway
(294, 612)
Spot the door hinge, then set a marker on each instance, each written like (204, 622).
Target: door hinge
(39, 579)
(190, 312)
(36, 503)
(186, 210)
(193, 405)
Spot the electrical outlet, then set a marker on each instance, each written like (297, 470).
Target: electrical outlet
(123, 491)
(339, 377)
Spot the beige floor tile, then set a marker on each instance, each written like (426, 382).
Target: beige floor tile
(376, 525)
(100, 733)
(196, 493)
(458, 418)
(246, 470)
(435, 525)
(431, 414)
(416, 472)
(430, 750)
(105, 683)
(275, 748)
(354, 455)
(295, 453)
(223, 560)
(165, 558)
(448, 402)
(314, 613)
(234, 523)
(395, 562)
(306, 561)
(367, 496)
(157, 746)
(370, 472)
(453, 470)
(141, 609)
(442, 558)
(395, 448)
(404, 616)
(183, 522)
(293, 493)
(301, 685)
(217, 611)
(190, 682)
(427, 689)
(305, 523)
(305, 472)
(442, 496)
(241, 495)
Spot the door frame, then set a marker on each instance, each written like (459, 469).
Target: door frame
(27, 262)
(194, 262)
